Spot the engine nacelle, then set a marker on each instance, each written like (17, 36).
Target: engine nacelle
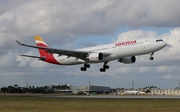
(128, 60)
(95, 56)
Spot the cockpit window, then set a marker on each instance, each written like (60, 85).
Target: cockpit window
(159, 40)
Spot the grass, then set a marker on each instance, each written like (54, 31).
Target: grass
(43, 104)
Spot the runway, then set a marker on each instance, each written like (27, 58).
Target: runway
(120, 97)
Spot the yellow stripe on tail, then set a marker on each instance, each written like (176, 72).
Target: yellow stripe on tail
(38, 38)
(39, 41)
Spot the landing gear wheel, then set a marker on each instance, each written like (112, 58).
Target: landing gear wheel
(86, 65)
(151, 58)
(83, 69)
(106, 67)
(102, 70)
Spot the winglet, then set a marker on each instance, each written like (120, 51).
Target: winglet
(19, 42)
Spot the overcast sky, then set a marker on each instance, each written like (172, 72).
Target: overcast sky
(73, 24)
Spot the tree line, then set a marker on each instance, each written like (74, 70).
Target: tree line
(34, 90)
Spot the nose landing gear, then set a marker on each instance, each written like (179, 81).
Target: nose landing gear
(151, 56)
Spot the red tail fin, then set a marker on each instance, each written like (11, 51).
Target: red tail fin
(43, 53)
(40, 42)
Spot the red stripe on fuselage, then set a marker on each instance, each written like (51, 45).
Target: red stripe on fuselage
(50, 59)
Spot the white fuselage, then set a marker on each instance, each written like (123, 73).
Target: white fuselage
(118, 50)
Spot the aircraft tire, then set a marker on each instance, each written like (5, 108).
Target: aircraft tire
(102, 70)
(88, 66)
(107, 67)
(83, 69)
(151, 58)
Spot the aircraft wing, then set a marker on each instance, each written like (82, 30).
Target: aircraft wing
(70, 53)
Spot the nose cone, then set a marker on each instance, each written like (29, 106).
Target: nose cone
(161, 45)
(164, 44)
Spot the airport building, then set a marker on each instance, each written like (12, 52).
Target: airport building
(165, 91)
(90, 89)
(153, 91)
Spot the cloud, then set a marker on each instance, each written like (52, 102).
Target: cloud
(136, 34)
(71, 19)
(6, 60)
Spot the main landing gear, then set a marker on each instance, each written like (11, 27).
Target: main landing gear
(103, 69)
(105, 66)
(85, 67)
(151, 56)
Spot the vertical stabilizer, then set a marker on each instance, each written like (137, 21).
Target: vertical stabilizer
(41, 43)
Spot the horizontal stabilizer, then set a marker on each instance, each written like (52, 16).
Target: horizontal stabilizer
(41, 58)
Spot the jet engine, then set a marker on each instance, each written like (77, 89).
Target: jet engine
(128, 60)
(95, 57)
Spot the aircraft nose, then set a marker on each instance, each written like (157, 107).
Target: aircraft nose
(164, 44)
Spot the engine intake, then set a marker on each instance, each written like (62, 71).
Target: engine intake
(128, 60)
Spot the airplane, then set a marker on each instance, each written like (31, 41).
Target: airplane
(141, 93)
(123, 52)
(131, 92)
(135, 92)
